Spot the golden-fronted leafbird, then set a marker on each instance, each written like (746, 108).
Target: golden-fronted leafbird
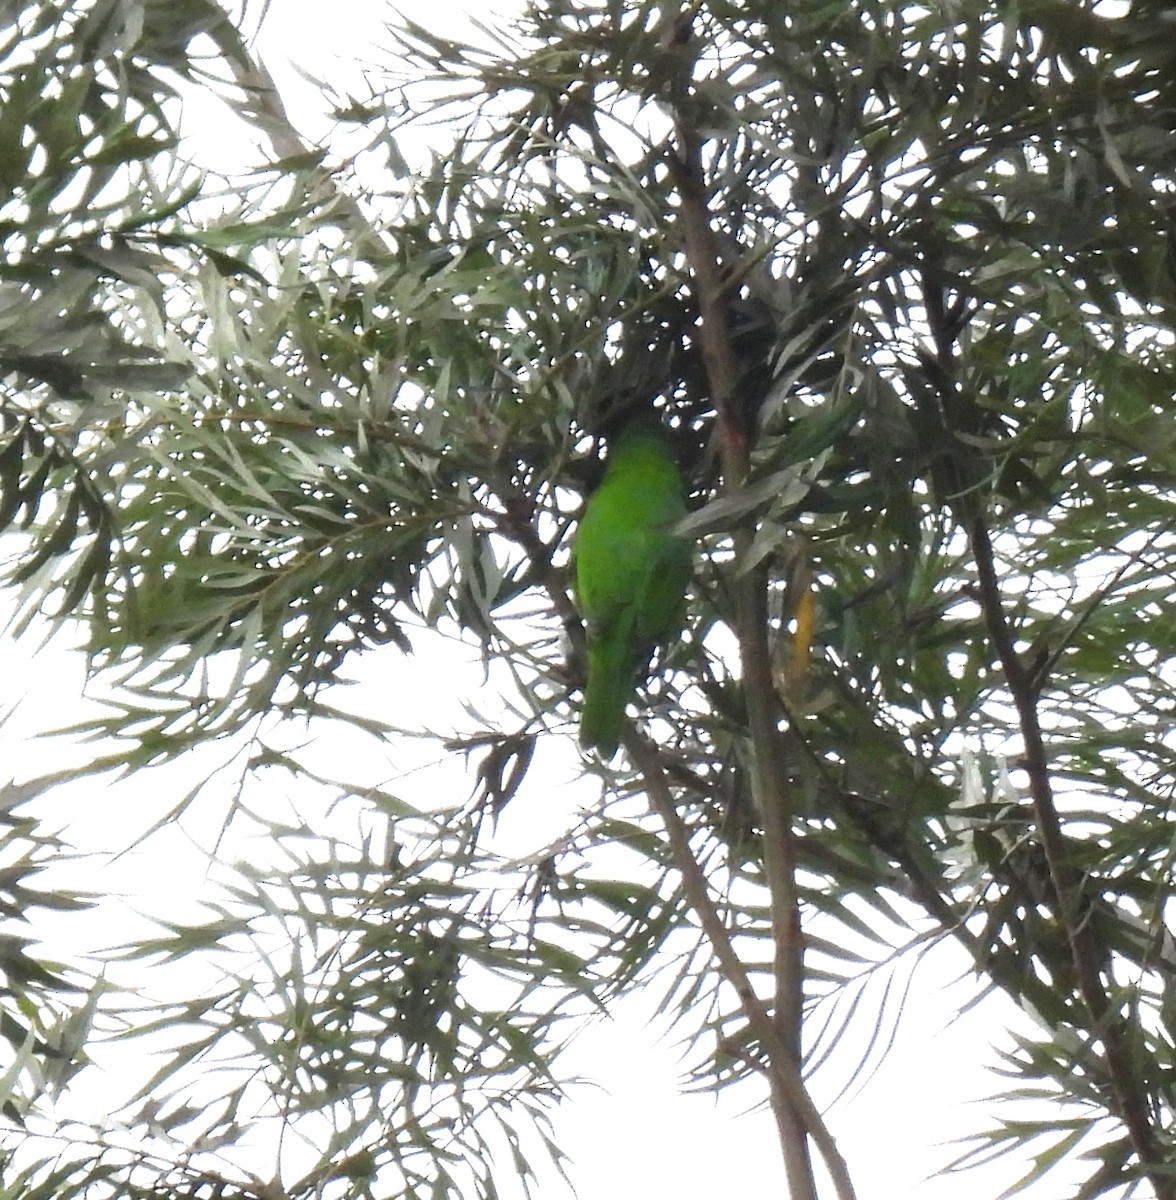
(631, 573)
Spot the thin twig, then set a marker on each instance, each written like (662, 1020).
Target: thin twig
(1024, 682)
(783, 1070)
(260, 104)
(1107, 1023)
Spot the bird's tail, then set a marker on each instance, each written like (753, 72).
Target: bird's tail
(612, 678)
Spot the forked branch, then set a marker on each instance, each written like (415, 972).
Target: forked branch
(789, 1095)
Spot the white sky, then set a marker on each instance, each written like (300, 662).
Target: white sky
(635, 1135)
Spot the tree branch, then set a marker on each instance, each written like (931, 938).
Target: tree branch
(789, 1095)
(1106, 1023)
(751, 628)
(956, 413)
(262, 107)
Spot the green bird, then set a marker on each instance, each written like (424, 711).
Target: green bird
(631, 575)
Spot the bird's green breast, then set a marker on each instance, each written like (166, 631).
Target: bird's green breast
(631, 572)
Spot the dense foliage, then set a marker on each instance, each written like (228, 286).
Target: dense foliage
(898, 277)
